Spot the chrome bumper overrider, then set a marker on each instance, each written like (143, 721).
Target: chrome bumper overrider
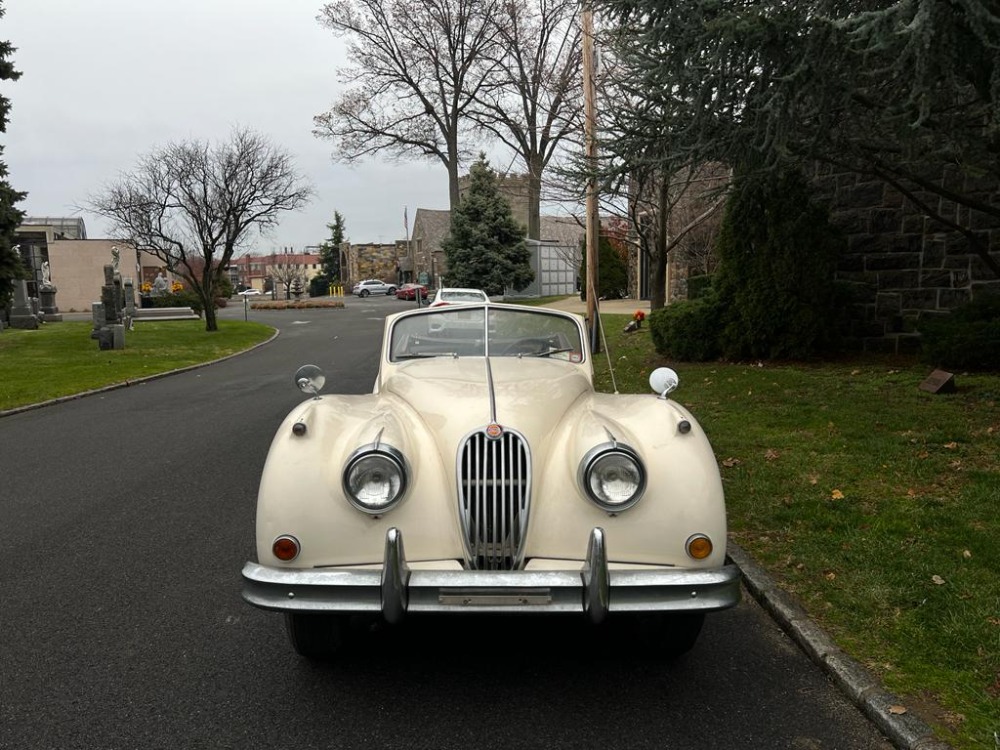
(396, 589)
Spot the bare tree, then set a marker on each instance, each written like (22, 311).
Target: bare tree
(417, 67)
(192, 205)
(285, 270)
(534, 98)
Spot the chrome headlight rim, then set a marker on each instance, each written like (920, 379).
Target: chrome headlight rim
(590, 460)
(376, 450)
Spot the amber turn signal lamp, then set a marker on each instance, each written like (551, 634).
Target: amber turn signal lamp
(285, 548)
(699, 546)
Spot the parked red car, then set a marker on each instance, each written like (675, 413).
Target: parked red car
(409, 291)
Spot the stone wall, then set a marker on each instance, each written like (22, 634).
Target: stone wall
(901, 265)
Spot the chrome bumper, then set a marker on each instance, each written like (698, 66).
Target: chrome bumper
(396, 589)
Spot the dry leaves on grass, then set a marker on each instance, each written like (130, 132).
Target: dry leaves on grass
(897, 710)
(937, 580)
(731, 462)
(771, 455)
(837, 495)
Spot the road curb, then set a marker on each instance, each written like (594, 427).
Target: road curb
(905, 730)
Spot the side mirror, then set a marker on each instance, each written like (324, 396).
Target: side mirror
(310, 379)
(663, 380)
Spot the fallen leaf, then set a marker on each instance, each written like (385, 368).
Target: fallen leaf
(911, 492)
(966, 554)
(837, 495)
(814, 479)
(937, 580)
(923, 454)
(771, 454)
(951, 446)
(956, 464)
(731, 462)
(855, 372)
(897, 710)
(830, 576)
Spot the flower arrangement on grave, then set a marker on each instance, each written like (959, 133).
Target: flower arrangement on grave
(638, 316)
(176, 287)
(145, 287)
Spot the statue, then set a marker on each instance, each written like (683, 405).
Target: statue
(46, 274)
(116, 257)
(159, 285)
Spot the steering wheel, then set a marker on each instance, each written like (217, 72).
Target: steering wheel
(534, 347)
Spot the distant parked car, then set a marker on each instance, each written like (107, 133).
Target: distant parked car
(373, 286)
(409, 291)
(456, 296)
(249, 292)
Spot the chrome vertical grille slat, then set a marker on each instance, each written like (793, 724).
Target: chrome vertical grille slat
(494, 482)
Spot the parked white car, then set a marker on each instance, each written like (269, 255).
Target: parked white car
(485, 475)
(373, 286)
(457, 296)
(249, 293)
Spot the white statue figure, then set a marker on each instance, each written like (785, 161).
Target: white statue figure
(46, 274)
(116, 257)
(159, 285)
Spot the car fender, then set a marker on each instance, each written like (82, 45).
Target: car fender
(301, 490)
(683, 494)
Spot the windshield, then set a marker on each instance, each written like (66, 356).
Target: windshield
(485, 331)
(458, 296)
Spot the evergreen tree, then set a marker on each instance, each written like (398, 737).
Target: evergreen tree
(330, 250)
(486, 247)
(775, 287)
(10, 217)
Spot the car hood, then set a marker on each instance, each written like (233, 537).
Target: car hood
(455, 396)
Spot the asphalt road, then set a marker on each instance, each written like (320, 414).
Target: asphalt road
(125, 518)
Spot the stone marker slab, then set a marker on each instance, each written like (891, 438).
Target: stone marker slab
(939, 381)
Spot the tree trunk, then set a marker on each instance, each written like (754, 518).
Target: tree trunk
(211, 322)
(658, 294)
(535, 197)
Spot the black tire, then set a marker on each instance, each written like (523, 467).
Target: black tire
(315, 636)
(392, 290)
(668, 636)
(363, 293)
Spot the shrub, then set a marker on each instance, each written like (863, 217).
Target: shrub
(612, 271)
(699, 286)
(966, 339)
(775, 280)
(687, 330)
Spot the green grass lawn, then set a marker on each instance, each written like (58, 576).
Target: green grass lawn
(60, 359)
(874, 502)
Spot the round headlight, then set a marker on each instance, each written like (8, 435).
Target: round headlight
(374, 481)
(613, 477)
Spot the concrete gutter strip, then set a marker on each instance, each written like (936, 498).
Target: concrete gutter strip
(905, 730)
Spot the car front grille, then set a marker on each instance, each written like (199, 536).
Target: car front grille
(494, 483)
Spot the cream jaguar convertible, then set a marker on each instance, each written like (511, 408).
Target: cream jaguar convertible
(484, 474)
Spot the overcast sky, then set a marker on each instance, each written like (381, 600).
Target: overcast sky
(105, 81)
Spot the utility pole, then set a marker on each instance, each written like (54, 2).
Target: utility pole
(590, 146)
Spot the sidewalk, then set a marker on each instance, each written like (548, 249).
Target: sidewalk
(614, 306)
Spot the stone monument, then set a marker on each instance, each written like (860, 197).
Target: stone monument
(47, 297)
(22, 314)
(108, 314)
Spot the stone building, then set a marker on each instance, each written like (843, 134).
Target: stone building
(902, 265)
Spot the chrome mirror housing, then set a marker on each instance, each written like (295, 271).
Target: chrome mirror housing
(310, 379)
(663, 380)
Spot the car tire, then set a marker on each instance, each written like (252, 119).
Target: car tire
(315, 636)
(363, 293)
(668, 636)
(392, 290)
